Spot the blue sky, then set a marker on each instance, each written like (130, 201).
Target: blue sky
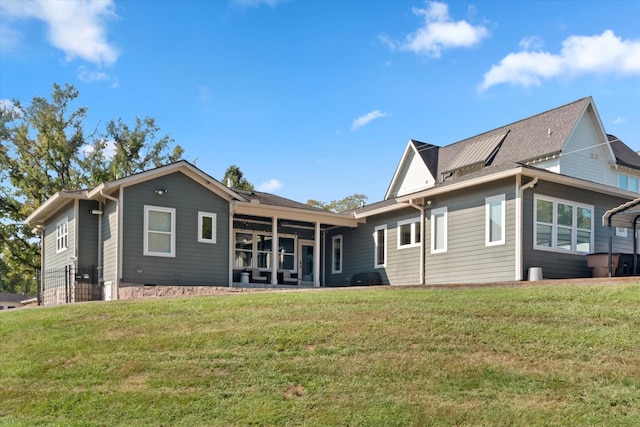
(317, 99)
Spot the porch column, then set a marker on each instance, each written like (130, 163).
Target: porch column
(274, 251)
(316, 256)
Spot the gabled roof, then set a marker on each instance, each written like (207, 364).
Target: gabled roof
(624, 155)
(528, 139)
(418, 151)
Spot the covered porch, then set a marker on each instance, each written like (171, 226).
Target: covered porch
(625, 216)
(272, 245)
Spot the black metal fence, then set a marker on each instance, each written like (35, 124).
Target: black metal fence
(69, 284)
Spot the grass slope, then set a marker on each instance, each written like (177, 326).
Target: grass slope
(565, 355)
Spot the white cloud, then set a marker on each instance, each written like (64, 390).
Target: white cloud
(108, 150)
(439, 32)
(619, 120)
(269, 186)
(363, 120)
(531, 43)
(75, 27)
(599, 54)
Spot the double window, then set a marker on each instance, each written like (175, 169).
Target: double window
(438, 230)
(159, 231)
(409, 233)
(563, 225)
(380, 246)
(628, 182)
(62, 235)
(495, 220)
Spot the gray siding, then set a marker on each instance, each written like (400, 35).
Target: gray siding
(109, 241)
(468, 259)
(87, 234)
(53, 259)
(195, 263)
(556, 264)
(402, 266)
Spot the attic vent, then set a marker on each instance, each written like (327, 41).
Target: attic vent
(477, 153)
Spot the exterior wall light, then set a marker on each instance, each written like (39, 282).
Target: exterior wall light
(161, 191)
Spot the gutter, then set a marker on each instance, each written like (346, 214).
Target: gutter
(422, 233)
(519, 222)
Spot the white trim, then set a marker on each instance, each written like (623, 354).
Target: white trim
(171, 233)
(333, 253)
(413, 242)
(435, 213)
(384, 248)
(621, 232)
(214, 226)
(555, 226)
(488, 201)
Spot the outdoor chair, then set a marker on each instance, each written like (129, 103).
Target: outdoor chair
(256, 276)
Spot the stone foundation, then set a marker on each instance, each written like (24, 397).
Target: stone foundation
(134, 291)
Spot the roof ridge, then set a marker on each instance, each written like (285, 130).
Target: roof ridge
(522, 120)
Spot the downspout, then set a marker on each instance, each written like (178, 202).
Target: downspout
(119, 252)
(519, 222)
(232, 211)
(635, 245)
(610, 246)
(422, 225)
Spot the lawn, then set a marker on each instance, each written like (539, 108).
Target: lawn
(530, 355)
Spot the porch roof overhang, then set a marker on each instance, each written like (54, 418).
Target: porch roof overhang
(52, 205)
(304, 215)
(627, 215)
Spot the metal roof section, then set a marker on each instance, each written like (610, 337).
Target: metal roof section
(477, 153)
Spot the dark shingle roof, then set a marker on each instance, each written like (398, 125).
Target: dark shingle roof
(531, 138)
(273, 200)
(624, 155)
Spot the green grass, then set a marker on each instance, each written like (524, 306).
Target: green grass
(564, 355)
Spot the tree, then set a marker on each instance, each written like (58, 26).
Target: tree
(44, 149)
(235, 176)
(348, 203)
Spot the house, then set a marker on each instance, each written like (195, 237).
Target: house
(175, 226)
(488, 208)
(10, 301)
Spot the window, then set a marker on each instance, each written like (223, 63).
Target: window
(159, 231)
(409, 233)
(206, 227)
(628, 182)
(438, 230)
(336, 254)
(495, 220)
(62, 235)
(258, 246)
(621, 232)
(563, 226)
(244, 250)
(380, 244)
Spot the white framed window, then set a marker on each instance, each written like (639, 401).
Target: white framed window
(206, 227)
(244, 250)
(159, 231)
(409, 233)
(628, 182)
(62, 235)
(621, 232)
(336, 254)
(438, 230)
(380, 246)
(561, 225)
(495, 208)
